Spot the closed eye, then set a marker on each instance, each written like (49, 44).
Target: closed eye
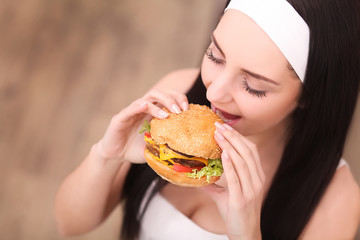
(257, 93)
(210, 55)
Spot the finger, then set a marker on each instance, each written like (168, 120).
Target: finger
(254, 151)
(137, 107)
(243, 172)
(127, 117)
(120, 125)
(239, 164)
(245, 149)
(233, 182)
(156, 111)
(167, 100)
(181, 100)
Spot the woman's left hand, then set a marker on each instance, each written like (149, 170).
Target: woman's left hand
(240, 202)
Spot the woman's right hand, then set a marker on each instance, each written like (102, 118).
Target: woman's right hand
(122, 140)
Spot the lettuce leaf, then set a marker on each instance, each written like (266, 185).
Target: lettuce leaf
(214, 168)
(145, 127)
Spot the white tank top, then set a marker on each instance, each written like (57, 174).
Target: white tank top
(162, 221)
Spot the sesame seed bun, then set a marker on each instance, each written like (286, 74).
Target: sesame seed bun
(190, 132)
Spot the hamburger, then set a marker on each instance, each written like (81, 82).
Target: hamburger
(182, 149)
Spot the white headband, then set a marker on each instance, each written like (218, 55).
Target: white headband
(283, 24)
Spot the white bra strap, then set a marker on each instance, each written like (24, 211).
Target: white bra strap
(343, 163)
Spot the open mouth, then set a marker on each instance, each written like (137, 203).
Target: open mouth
(228, 118)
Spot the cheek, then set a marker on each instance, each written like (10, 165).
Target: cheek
(262, 114)
(274, 108)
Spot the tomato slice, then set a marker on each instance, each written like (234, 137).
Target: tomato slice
(181, 168)
(147, 134)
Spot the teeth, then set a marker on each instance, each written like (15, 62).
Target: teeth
(213, 108)
(219, 113)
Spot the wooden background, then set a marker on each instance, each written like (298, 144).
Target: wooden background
(65, 68)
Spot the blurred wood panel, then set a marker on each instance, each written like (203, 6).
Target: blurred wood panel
(65, 68)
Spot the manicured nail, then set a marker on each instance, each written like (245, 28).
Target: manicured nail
(185, 106)
(219, 126)
(228, 127)
(163, 114)
(176, 108)
(219, 135)
(224, 155)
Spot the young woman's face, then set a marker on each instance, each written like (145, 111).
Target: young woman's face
(248, 79)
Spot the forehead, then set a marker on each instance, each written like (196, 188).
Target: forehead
(243, 41)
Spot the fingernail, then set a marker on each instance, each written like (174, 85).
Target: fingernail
(143, 104)
(224, 155)
(162, 113)
(185, 106)
(227, 126)
(219, 135)
(220, 126)
(176, 108)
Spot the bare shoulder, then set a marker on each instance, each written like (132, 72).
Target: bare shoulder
(179, 80)
(338, 213)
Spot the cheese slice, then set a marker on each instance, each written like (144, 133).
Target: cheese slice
(166, 154)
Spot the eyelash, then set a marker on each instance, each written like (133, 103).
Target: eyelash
(210, 55)
(259, 94)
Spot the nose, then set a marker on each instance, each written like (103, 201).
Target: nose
(219, 89)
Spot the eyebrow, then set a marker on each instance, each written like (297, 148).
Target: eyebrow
(260, 77)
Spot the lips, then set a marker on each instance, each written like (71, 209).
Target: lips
(225, 116)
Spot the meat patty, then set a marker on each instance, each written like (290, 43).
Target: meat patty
(189, 163)
(153, 149)
(180, 153)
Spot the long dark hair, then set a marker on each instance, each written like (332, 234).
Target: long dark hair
(320, 124)
(318, 130)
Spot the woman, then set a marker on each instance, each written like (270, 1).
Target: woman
(284, 77)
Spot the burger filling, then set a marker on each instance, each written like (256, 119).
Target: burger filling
(194, 167)
(168, 156)
(189, 163)
(154, 150)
